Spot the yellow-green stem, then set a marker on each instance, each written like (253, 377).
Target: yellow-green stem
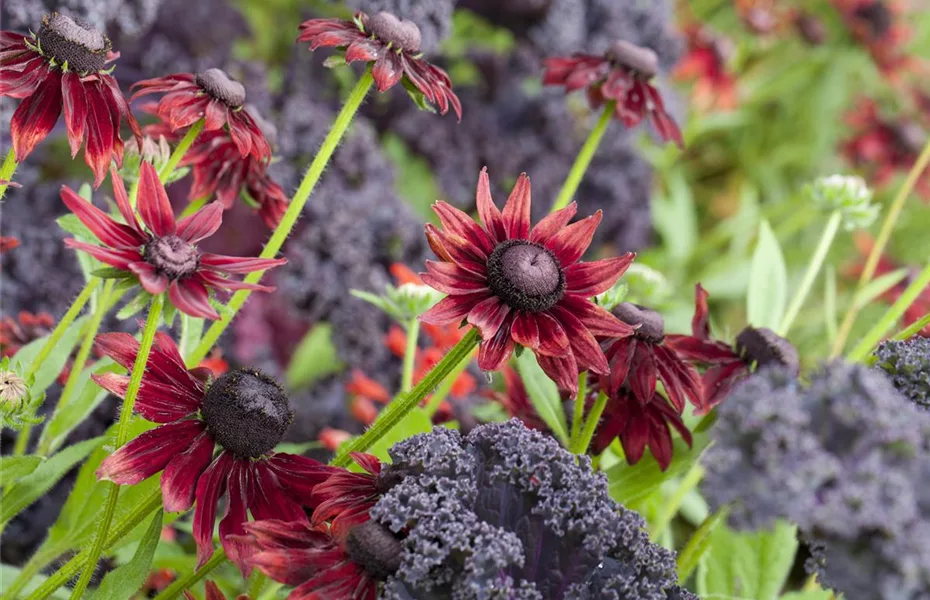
(180, 150)
(590, 425)
(813, 269)
(314, 171)
(395, 412)
(410, 354)
(871, 262)
(578, 412)
(7, 171)
(183, 583)
(80, 359)
(22, 440)
(584, 159)
(912, 329)
(122, 436)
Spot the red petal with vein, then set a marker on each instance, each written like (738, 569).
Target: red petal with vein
(488, 316)
(588, 353)
(239, 264)
(452, 309)
(599, 321)
(162, 402)
(700, 322)
(553, 223)
(387, 71)
(192, 298)
(681, 380)
(179, 481)
(121, 347)
(122, 202)
(238, 486)
(151, 280)
(241, 138)
(120, 259)
(619, 356)
(698, 350)
(36, 115)
(214, 115)
(202, 224)
(490, 215)
(269, 499)
(365, 50)
(298, 475)
(74, 101)
(453, 248)
(643, 373)
(101, 130)
(449, 278)
(210, 487)
(718, 381)
(154, 206)
(493, 353)
(149, 453)
(22, 83)
(516, 213)
(525, 330)
(570, 243)
(214, 280)
(120, 100)
(562, 370)
(593, 278)
(553, 341)
(457, 223)
(113, 234)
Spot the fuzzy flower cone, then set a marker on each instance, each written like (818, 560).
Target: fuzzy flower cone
(214, 437)
(163, 255)
(63, 68)
(523, 285)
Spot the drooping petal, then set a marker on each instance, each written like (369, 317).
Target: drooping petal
(240, 137)
(232, 532)
(215, 115)
(570, 243)
(681, 380)
(151, 280)
(718, 381)
(488, 316)
(488, 212)
(598, 320)
(562, 370)
(298, 475)
(553, 223)
(36, 115)
(452, 309)
(202, 224)
(192, 298)
(387, 70)
(210, 487)
(149, 453)
(553, 341)
(363, 49)
(74, 101)
(643, 373)
(619, 356)
(101, 131)
(269, 500)
(591, 278)
(493, 353)
(154, 206)
(179, 481)
(516, 213)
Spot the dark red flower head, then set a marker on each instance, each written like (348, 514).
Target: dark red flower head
(880, 26)
(393, 45)
(63, 68)
(215, 437)
(213, 96)
(523, 285)
(622, 75)
(163, 254)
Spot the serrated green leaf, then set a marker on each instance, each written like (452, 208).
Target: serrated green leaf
(314, 358)
(56, 360)
(31, 487)
(65, 419)
(126, 580)
(544, 394)
(14, 468)
(768, 281)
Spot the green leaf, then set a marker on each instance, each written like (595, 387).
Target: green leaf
(690, 556)
(415, 422)
(314, 358)
(748, 565)
(127, 579)
(65, 419)
(831, 322)
(544, 394)
(9, 573)
(191, 334)
(675, 217)
(110, 273)
(56, 360)
(878, 286)
(31, 487)
(12, 468)
(768, 281)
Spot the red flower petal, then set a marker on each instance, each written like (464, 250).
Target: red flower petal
(457, 223)
(179, 481)
(298, 475)
(75, 107)
(363, 49)
(192, 298)
(113, 234)
(149, 453)
(449, 278)
(700, 322)
(452, 309)
(455, 249)
(488, 212)
(238, 486)
(680, 380)
(619, 356)
(216, 281)
(587, 351)
(598, 320)
(493, 353)
(125, 208)
(202, 224)
(210, 487)
(516, 213)
(643, 373)
(115, 258)
(718, 381)
(151, 280)
(553, 223)
(215, 115)
(36, 115)
(525, 330)
(562, 370)
(388, 70)
(100, 131)
(553, 341)
(238, 264)
(269, 499)
(488, 316)
(592, 278)
(154, 206)
(23, 81)
(570, 243)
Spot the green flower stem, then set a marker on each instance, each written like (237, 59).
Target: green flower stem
(871, 263)
(122, 436)
(884, 325)
(813, 269)
(410, 354)
(180, 150)
(395, 412)
(584, 159)
(81, 358)
(22, 440)
(259, 580)
(578, 412)
(67, 571)
(335, 135)
(590, 425)
(194, 206)
(671, 506)
(912, 329)
(7, 171)
(445, 387)
(183, 583)
(691, 554)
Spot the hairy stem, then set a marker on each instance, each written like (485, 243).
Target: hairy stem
(410, 354)
(7, 171)
(584, 159)
(180, 150)
(192, 578)
(578, 412)
(442, 391)
(314, 171)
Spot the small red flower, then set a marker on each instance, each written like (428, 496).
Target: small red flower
(163, 256)
(429, 357)
(524, 285)
(333, 438)
(621, 74)
(213, 96)
(393, 45)
(8, 243)
(25, 328)
(880, 26)
(63, 68)
(243, 413)
(706, 63)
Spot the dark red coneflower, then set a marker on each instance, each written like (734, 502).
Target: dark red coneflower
(881, 27)
(393, 45)
(63, 68)
(7, 243)
(243, 414)
(621, 74)
(523, 285)
(163, 255)
(213, 96)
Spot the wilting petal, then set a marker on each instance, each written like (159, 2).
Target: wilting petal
(210, 487)
(151, 280)
(36, 115)
(111, 233)
(553, 223)
(493, 353)
(681, 380)
(592, 278)
(718, 381)
(154, 206)
(570, 243)
(619, 356)
(387, 71)
(488, 212)
(587, 351)
(488, 316)
(452, 309)
(525, 330)
(101, 131)
(238, 264)
(74, 101)
(202, 224)
(238, 486)
(516, 213)
(215, 115)
(364, 50)
(179, 481)
(643, 373)
(240, 137)
(562, 370)
(192, 298)
(149, 453)
(120, 259)
(700, 322)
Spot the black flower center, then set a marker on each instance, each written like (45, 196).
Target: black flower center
(877, 16)
(246, 412)
(373, 547)
(651, 325)
(636, 58)
(172, 257)
(73, 41)
(765, 347)
(526, 276)
(399, 33)
(222, 87)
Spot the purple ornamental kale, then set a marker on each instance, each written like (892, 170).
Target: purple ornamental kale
(907, 363)
(131, 17)
(507, 513)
